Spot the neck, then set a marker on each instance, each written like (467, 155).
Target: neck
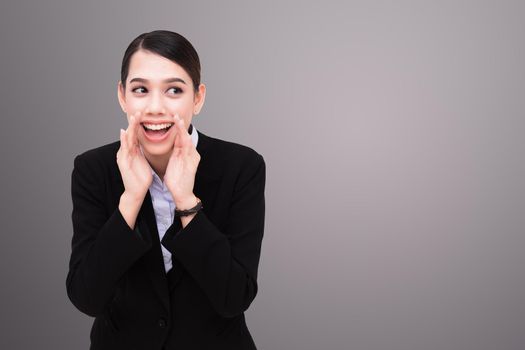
(159, 163)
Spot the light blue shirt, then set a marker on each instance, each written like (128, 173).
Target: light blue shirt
(164, 206)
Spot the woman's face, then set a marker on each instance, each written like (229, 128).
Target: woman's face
(159, 88)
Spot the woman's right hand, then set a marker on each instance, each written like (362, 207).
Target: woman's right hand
(134, 168)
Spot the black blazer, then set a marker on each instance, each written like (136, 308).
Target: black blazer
(116, 274)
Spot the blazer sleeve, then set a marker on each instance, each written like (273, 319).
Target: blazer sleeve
(225, 263)
(103, 245)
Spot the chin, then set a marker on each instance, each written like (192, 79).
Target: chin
(158, 149)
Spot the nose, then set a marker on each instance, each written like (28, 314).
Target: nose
(155, 105)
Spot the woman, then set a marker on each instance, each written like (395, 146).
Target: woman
(167, 222)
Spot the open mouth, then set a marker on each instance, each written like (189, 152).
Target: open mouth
(156, 132)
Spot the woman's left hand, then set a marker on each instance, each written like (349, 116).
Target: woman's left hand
(182, 167)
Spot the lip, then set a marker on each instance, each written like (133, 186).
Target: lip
(156, 122)
(156, 139)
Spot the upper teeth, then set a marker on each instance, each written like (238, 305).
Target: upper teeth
(157, 126)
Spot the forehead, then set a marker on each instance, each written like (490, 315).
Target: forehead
(154, 67)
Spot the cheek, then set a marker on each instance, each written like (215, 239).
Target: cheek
(185, 114)
(134, 105)
(184, 103)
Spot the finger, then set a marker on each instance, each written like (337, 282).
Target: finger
(182, 131)
(128, 129)
(123, 140)
(188, 142)
(132, 140)
(177, 141)
(133, 134)
(177, 144)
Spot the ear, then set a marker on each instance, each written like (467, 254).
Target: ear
(200, 95)
(121, 96)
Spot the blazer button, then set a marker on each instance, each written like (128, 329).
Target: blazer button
(162, 323)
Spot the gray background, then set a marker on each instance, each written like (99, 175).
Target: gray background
(393, 136)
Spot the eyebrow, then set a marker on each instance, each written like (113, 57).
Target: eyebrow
(169, 80)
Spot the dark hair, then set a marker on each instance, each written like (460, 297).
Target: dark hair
(167, 44)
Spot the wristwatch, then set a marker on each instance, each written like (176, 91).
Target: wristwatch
(190, 211)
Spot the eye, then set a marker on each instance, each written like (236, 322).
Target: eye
(175, 90)
(138, 88)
